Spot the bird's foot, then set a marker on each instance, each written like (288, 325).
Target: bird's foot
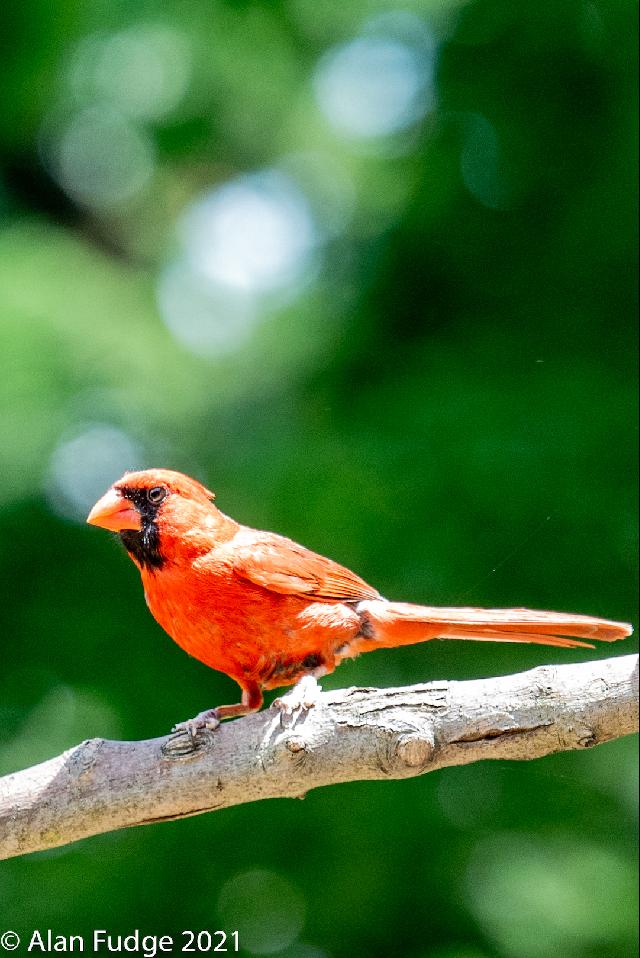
(204, 721)
(296, 703)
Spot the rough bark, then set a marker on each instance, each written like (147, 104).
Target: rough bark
(101, 785)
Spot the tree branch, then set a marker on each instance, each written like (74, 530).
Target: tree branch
(101, 785)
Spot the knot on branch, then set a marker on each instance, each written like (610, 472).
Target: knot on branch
(415, 751)
(83, 758)
(406, 752)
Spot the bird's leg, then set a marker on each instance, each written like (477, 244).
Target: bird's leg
(302, 697)
(211, 718)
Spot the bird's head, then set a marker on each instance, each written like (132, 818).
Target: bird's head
(146, 507)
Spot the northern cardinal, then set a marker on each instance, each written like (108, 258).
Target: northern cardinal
(270, 613)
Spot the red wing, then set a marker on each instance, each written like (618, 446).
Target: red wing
(280, 565)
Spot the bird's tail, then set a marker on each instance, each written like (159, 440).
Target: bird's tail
(389, 624)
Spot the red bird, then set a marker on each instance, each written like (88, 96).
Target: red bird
(268, 612)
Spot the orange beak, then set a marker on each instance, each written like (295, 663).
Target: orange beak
(114, 512)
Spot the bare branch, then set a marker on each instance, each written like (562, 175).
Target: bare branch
(101, 785)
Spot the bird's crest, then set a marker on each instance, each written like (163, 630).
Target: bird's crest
(174, 481)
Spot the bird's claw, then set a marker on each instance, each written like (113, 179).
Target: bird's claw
(204, 722)
(193, 726)
(300, 700)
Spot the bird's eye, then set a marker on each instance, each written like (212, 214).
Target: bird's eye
(156, 495)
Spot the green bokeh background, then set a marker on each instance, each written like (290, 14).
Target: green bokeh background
(445, 402)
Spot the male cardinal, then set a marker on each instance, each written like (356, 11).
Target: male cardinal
(268, 612)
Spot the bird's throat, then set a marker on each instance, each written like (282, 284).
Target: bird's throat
(144, 545)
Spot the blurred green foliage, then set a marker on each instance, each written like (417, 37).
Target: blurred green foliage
(368, 270)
